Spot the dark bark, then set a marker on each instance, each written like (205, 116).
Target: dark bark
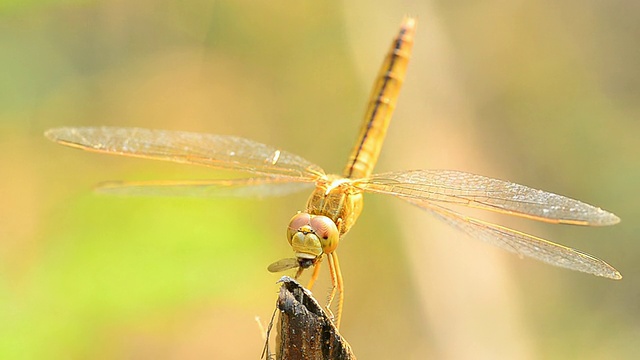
(304, 329)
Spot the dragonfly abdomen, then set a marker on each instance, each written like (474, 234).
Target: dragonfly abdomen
(382, 103)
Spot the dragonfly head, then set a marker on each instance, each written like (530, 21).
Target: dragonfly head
(310, 236)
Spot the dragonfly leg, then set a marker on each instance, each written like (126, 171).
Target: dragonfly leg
(314, 276)
(336, 280)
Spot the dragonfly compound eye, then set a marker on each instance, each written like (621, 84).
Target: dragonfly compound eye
(327, 232)
(304, 241)
(297, 222)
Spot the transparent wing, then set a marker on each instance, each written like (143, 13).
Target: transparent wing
(525, 244)
(284, 264)
(424, 187)
(243, 187)
(217, 151)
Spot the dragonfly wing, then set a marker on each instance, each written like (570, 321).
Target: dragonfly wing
(284, 264)
(424, 187)
(218, 151)
(525, 244)
(243, 187)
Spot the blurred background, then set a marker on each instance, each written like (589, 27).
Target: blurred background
(542, 93)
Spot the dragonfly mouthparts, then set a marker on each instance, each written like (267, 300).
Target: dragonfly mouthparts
(305, 263)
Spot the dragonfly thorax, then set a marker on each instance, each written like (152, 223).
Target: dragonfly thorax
(337, 199)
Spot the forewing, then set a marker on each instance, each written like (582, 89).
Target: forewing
(424, 187)
(525, 244)
(243, 187)
(217, 151)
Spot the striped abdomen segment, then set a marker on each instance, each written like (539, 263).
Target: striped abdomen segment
(381, 104)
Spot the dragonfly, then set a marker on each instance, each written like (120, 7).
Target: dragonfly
(337, 200)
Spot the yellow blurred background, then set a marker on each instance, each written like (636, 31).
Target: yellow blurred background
(538, 92)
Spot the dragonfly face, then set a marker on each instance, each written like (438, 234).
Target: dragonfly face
(310, 236)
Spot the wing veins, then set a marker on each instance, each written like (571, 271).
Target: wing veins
(476, 191)
(241, 187)
(216, 151)
(525, 245)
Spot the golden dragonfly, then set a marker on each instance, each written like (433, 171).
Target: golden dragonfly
(337, 201)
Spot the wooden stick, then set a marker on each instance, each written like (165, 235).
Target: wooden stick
(304, 329)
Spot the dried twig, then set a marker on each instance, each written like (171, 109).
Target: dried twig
(304, 329)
